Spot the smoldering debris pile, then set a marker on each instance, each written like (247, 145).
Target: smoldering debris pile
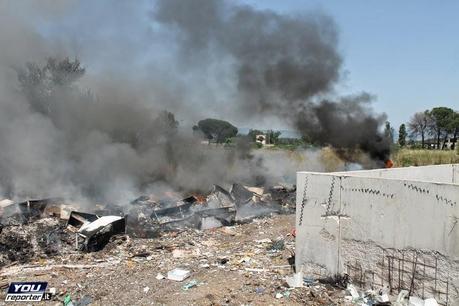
(219, 208)
(48, 227)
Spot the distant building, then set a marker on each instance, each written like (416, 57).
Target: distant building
(261, 138)
(432, 144)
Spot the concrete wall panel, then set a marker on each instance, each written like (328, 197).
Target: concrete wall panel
(401, 214)
(317, 194)
(456, 174)
(435, 173)
(383, 232)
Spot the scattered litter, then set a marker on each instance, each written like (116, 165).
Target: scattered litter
(178, 274)
(84, 301)
(415, 301)
(223, 261)
(402, 295)
(277, 245)
(68, 300)
(45, 235)
(190, 284)
(95, 230)
(123, 258)
(353, 292)
(383, 298)
(160, 276)
(296, 280)
(308, 280)
(142, 254)
(259, 290)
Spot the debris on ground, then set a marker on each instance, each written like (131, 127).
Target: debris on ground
(49, 227)
(228, 266)
(178, 274)
(95, 230)
(382, 298)
(225, 266)
(277, 245)
(160, 276)
(296, 280)
(189, 285)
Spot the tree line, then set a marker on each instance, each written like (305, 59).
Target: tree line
(433, 127)
(221, 131)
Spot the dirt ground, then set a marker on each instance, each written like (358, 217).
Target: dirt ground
(239, 265)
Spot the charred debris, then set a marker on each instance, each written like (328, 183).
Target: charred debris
(50, 227)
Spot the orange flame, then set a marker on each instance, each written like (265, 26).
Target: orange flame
(389, 163)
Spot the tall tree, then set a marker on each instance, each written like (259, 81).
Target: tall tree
(273, 136)
(216, 130)
(418, 125)
(440, 123)
(454, 128)
(166, 123)
(389, 132)
(402, 135)
(40, 83)
(64, 72)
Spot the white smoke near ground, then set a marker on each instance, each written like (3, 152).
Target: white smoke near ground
(106, 130)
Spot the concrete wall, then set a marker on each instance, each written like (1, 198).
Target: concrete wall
(385, 230)
(456, 174)
(437, 173)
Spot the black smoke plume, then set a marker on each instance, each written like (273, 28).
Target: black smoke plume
(282, 65)
(347, 125)
(119, 124)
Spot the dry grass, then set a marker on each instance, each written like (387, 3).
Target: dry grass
(408, 157)
(330, 160)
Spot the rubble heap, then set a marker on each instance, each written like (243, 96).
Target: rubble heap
(50, 227)
(232, 265)
(148, 216)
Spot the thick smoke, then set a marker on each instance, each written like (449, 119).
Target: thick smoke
(119, 124)
(283, 66)
(279, 61)
(109, 147)
(347, 124)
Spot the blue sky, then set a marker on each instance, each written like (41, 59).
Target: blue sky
(404, 52)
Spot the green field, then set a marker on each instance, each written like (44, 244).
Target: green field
(411, 157)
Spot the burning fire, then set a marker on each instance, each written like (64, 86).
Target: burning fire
(389, 163)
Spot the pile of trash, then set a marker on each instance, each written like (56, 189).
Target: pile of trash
(219, 208)
(382, 298)
(354, 296)
(53, 226)
(224, 266)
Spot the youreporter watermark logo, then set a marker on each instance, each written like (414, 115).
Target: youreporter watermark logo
(27, 292)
